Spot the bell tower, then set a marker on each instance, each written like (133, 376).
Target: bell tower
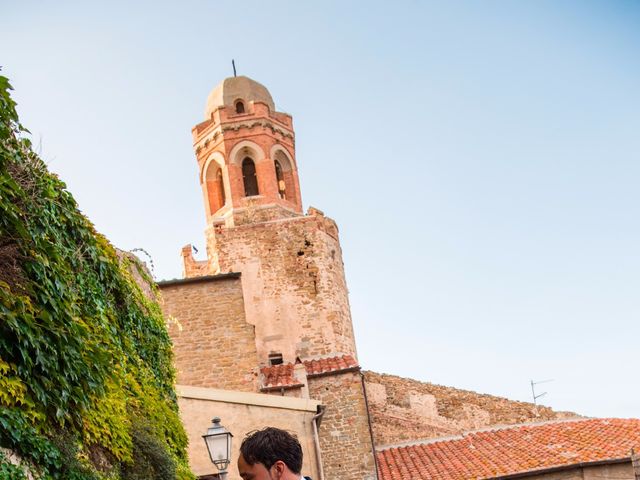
(268, 310)
(290, 263)
(246, 157)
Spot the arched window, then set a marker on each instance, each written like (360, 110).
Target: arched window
(249, 177)
(223, 197)
(215, 188)
(239, 106)
(285, 175)
(282, 189)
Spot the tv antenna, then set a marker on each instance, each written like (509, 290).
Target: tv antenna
(233, 64)
(539, 395)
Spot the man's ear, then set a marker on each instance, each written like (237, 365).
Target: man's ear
(280, 467)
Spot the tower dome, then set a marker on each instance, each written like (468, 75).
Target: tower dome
(232, 89)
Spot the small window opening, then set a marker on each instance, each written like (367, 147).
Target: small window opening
(275, 359)
(239, 106)
(249, 178)
(282, 189)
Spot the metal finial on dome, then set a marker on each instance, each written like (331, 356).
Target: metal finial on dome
(233, 64)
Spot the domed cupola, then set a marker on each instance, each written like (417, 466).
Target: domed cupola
(237, 93)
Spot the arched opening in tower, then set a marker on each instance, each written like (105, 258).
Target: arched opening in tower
(216, 194)
(249, 178)
(282, 187)
(284, 176)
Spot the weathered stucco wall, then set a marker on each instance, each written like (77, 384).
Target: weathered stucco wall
(214, 346)
(293, 283)
(241, 413)
(345, 439)
(403, 409)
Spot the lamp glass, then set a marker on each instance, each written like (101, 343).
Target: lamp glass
(217, 445)
(218, 441)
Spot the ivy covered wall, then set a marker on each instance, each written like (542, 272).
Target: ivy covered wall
(86, 376)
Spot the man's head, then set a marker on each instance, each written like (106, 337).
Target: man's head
(269, 454)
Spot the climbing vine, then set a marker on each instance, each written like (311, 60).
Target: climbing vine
(86, 376)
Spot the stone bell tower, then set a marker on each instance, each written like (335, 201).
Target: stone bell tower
(290, 263)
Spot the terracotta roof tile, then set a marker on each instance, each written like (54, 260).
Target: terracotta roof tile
(276, 377)
(501, 452)
(324, 366)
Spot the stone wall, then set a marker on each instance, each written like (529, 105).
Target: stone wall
(139, 271)
(344, 431)
(293, 284)
(214, 346)
(257, 213)
(192, 267)
(614, 471)
(403, 409)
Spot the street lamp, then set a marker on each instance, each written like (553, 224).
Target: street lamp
(218, 441)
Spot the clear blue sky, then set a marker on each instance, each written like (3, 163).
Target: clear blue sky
(481, 158)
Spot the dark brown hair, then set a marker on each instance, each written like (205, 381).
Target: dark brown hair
(271, 444)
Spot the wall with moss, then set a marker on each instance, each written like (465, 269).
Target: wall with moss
(86, 376)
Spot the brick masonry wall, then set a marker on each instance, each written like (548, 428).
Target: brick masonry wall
(213, 344)
(264, 129)
(344, 431)
(403, 409)
(293, 283)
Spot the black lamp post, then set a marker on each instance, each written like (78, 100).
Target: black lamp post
(218, 441)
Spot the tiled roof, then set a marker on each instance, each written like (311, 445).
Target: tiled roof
(508, 451)
(276, 377)
(323, 366)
